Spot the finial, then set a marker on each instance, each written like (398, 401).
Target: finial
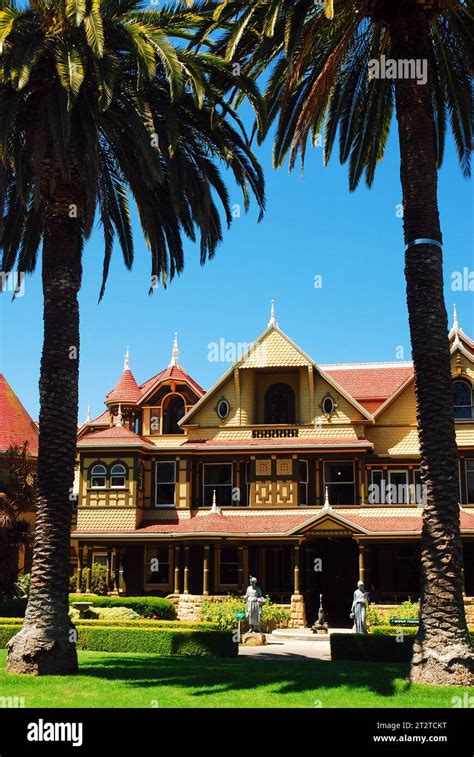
(88, 419)
(327, 505)
(174, 352)
(455, 320)
(126, 362)
(214, 508)
(272, 321)
(119, 416)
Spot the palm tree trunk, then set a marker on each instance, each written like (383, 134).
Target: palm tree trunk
(46, 643)
(442, 652)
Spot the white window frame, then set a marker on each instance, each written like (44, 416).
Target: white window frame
(166, 483)
(386, 478)
(466, 461)
(215, 486)
(468, 383)
(99, 554)
(303, 483)
(407, 484)
(116, 475)
(329, 483)
(150, 586)
(97, 475)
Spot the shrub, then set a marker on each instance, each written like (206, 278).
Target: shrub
(98, 580)
(383, 630)
(370, 647)
(144, 606)
(23, 585)
(6, 633)
(223, 613)
(13, 608)
(161, 641)
(106, 613)
(157, 641)
(378, 616)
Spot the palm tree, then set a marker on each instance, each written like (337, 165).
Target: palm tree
(17, 494)
(99, 99)
(318, 58)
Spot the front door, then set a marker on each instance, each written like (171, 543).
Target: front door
(330, 569)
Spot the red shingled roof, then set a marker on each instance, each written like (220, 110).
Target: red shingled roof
(114, 436)
(231, 523)
(126, 389)
(277, 442)
(172, 372)
(16, 426)
(371, 386)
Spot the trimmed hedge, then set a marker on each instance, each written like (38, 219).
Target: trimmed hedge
(6, 633)
(383, 644)
(144, 606)
(370, 647)
(13, 608)
(160, 641)
(193, 625)
(393, 630)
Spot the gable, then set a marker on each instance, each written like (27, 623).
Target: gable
(272, 350)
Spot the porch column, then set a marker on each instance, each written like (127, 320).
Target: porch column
(176, 570)
(205, 571)
(89, 569)
(117, 570)
(109, 568)
(80, 559)
(296, 569)
(362, 562)
(186, 571)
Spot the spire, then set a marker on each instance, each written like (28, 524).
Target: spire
(455, 320)
(174, 353)
(126, 362)
(88, 419)
(272, 321)
(327, 505)
(214, 508)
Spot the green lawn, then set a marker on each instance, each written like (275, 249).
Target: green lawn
(143, 680)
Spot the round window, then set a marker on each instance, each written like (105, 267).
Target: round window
(223, 409)
(328, 406)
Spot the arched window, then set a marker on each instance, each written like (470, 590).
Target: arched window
(173, 411)
(98, 476)
(279, 404)
(118, 476)
(462, 391)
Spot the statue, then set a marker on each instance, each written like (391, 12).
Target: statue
(254, 600)
(359, 608)
(320, 625)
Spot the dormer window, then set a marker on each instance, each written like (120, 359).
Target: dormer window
(98, 476)
(279, 404)
(173, 411)
(462, 392)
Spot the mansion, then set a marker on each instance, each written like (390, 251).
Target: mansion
(303, 475)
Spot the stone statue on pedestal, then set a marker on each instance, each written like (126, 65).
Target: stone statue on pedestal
(254, 600)
(359, 608)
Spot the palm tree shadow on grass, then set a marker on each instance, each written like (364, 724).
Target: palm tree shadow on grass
(212, 676)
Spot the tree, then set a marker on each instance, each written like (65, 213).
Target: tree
(17, 494)
(340, 69)
(98, 100)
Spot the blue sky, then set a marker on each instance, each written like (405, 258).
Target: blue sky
(313, 227)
